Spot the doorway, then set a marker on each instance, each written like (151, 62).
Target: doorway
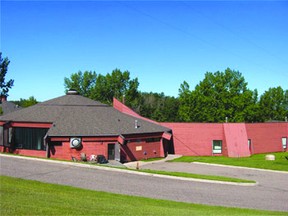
(114, 151)
(111, 151)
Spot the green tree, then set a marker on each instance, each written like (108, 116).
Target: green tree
(103, 88)
(27, 102)
(273, 104)
(117, 84)
(158, 107)
(5, 86)
(217, 96)
(185, 103)
(81, 82)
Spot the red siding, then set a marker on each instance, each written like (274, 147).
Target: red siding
(89, 148)
(195, 138)
(132, 149)
(140, 146)
(139, 150)
(31, 125)
(26, 152)
(124, 109)
(236, 140)
(267, 137)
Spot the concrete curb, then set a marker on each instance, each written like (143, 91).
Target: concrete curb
(239, 167)
(128, 171)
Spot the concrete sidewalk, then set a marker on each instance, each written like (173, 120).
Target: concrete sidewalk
(139, 164)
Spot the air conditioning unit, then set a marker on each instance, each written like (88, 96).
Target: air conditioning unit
(75, 143)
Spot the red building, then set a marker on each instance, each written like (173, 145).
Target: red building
(227, 139)
(70, 126)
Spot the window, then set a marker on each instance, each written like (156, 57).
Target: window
(284, 142)
(249, 145)
(29, 138)
(153, 140)
(217, 146)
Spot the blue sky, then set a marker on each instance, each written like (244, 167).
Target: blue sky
(163, 43)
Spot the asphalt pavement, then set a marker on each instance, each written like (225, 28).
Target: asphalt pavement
(271, 192)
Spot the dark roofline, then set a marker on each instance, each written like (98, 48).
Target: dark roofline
(109, 135)
(65, 105)
(28, 122)
(102, 135)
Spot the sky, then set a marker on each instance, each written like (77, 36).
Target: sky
(162, 43)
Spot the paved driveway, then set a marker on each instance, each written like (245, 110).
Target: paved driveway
(267, 179)
(270, 194)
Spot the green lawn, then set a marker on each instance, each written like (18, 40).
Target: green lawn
(25, 197)
(255, 161)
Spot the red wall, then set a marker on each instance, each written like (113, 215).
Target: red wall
(124, 109)
(196, 138)
(132, 149)
(90, 147)
(267, 137)
(191, 139)
(236, 140)
(141, 150)
(26, 152)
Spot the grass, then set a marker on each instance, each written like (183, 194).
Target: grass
(199, 176)
(255, 161)
(26, 197)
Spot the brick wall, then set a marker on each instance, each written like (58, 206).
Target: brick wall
(236, 140)
(267, 137)
(196, 138)
(139, 150)
(89, 148)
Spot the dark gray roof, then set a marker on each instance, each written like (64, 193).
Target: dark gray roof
(8, 107)
(74, 115)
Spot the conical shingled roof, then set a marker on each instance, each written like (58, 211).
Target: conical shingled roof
(75, 115)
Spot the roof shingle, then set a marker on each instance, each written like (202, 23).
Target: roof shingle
(74, 115)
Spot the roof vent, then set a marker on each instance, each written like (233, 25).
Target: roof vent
(72, 92)
(136, 124)
(75, 143)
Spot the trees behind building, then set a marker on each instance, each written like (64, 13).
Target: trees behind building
(219, 97)
(4, 85)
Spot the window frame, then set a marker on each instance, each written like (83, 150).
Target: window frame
(284, 144)
(250, 145)
(29, 138)
(216, 148)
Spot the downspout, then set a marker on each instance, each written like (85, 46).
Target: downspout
(46, 144)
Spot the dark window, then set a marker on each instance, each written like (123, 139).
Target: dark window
(250, 145)
(56, 143)
(153, 139)
(30, 138)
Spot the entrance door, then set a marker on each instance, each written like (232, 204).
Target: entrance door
(111, 151)
(114, 151)
(117, 152)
